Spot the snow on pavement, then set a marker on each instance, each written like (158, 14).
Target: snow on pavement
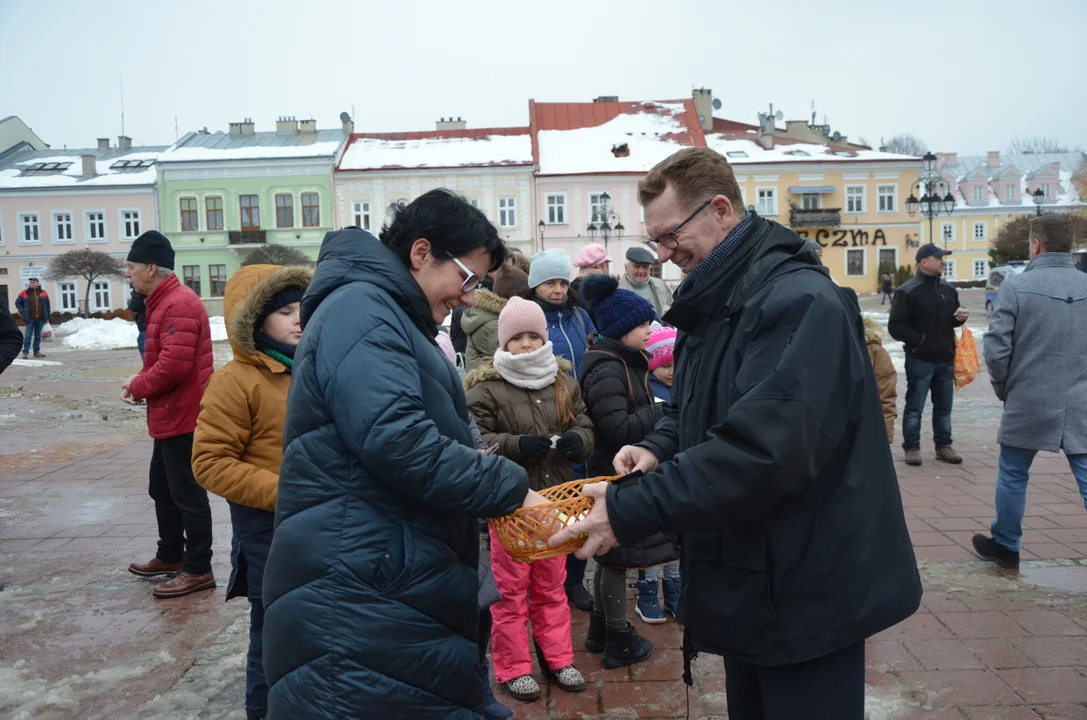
(98, 334)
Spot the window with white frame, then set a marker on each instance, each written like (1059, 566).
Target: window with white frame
(130, 224)
(978, 193)
(947, 232)
(854, 262)
(767, 204)
(556, 209)
(1009, 192)
(62, 228)
(100, 295)
(29, 230)
(809, 201)
(1047, 191)
(69, 300)
(507, 212)
(854, 199)
(981, 269)
(888, 198)
(94, 226)
(474, 202)
(361, 211)
(949, 269)
(981, 231)
(598, 208)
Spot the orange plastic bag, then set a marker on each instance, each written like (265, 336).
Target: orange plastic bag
(967, 364)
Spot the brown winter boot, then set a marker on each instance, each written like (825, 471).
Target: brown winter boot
(913, 457)
(948, 455)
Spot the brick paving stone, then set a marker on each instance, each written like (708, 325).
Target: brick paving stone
(998, 653)
(944, 688)
(943, 655)
(922, 626)
(1062, 712)
(664, 699)
(1046, 622)
(1053, 651)
(1048, 685)
(981, 624)
(890, 656)
(1001, 713)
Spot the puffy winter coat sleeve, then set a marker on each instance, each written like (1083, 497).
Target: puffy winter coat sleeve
(47, 306)
(136, 302)
(482, 343)
(11, 339)
(887, 382)
(608, 399)
(222, 434)
(400, 445)
(898, 323)
(774, 440)
(664, 440)
(179, 336)
(483, 406)
(584, 426)
(999, 340)
(20, 304)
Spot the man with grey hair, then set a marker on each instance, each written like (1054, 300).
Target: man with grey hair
(177, 363)
(1035, 351)
(639, 280)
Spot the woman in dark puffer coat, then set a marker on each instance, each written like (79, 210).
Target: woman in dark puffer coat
(371, 581)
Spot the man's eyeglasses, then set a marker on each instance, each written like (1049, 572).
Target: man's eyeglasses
(668, 240)
(471, 281)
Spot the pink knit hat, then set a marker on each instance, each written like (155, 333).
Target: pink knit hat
(662, 342)
(591, 256)
(520, 316)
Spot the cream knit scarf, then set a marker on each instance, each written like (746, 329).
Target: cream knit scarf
(532, 371)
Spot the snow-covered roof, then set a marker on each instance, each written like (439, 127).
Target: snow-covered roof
(439, 149)
(740, 151)
(211, 147)
(31, 169)
(651, 133)
(1025, 163)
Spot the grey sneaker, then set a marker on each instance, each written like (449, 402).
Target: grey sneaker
(947, 454)
(913, 457)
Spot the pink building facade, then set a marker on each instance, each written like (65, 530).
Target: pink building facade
(54, 201)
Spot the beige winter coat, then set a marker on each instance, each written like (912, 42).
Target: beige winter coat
(886, 375)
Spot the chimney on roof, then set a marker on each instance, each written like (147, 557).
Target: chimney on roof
(606, 98)
(766, 140)
(90, 163)
(245, 127)
(993, 158)
(620, 150)
(703, 104)
(124, 142)
(103, 143)
(949, 159)
(347, 123)
(287, 124)
(1056, 166)
(451, 124)
(308, 126)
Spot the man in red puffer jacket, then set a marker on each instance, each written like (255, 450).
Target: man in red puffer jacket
(177, 363)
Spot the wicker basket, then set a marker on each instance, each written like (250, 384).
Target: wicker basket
(524, 533)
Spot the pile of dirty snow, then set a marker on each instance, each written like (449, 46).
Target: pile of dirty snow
(97, 334)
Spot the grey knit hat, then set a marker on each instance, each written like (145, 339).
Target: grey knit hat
(549, 265)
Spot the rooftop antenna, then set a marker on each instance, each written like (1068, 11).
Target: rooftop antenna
(813, 111)
(122, 104)
(176, 135)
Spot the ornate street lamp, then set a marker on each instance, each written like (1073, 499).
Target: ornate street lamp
(541, 227)
(1039, 198)
(936, 194)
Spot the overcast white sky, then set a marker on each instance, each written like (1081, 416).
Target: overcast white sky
(962, 75)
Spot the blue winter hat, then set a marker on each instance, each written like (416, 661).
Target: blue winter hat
(616, 311)
(549, 265)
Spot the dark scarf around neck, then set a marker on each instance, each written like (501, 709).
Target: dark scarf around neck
(276, 350)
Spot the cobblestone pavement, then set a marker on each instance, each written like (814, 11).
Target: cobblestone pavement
(82, 638)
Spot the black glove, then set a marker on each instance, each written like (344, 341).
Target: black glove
(534, 446)
(570, 444)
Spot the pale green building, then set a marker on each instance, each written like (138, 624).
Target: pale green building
(222, 195)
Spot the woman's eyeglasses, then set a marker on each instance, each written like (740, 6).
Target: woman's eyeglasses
(669, 240)
(471, 280)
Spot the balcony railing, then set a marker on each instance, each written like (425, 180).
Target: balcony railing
(247, 237)
(821, 218)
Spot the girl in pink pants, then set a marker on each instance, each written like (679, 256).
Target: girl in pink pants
(527, 405)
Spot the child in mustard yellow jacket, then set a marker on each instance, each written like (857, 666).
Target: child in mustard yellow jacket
(238, 446)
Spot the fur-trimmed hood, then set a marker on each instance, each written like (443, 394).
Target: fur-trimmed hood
(873, 333)
(246, 292)
(487, 307)
(521, 261)
(487, 372)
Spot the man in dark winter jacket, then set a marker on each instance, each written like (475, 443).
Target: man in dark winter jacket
(924, 314)
(33, 307)
(137, 304)
(11, 340)
(773, 470)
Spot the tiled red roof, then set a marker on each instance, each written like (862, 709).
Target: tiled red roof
(470, 134)
(572, 116)
(721, 125)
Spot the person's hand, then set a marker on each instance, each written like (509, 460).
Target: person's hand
(962, 314)
(127, 398)
(596, 525)
(632, 459)
(570, 443)
(534, 446)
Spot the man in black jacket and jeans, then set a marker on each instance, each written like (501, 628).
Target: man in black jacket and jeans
(924, 314)
(771, 463)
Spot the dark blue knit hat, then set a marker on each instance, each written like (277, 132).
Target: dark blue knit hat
(615, 311)
(281, 299)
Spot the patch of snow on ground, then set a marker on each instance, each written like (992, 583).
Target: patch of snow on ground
(218, 328)
(97, 334)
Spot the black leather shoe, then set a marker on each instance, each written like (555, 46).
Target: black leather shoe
(990, 549)
(579, 597)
